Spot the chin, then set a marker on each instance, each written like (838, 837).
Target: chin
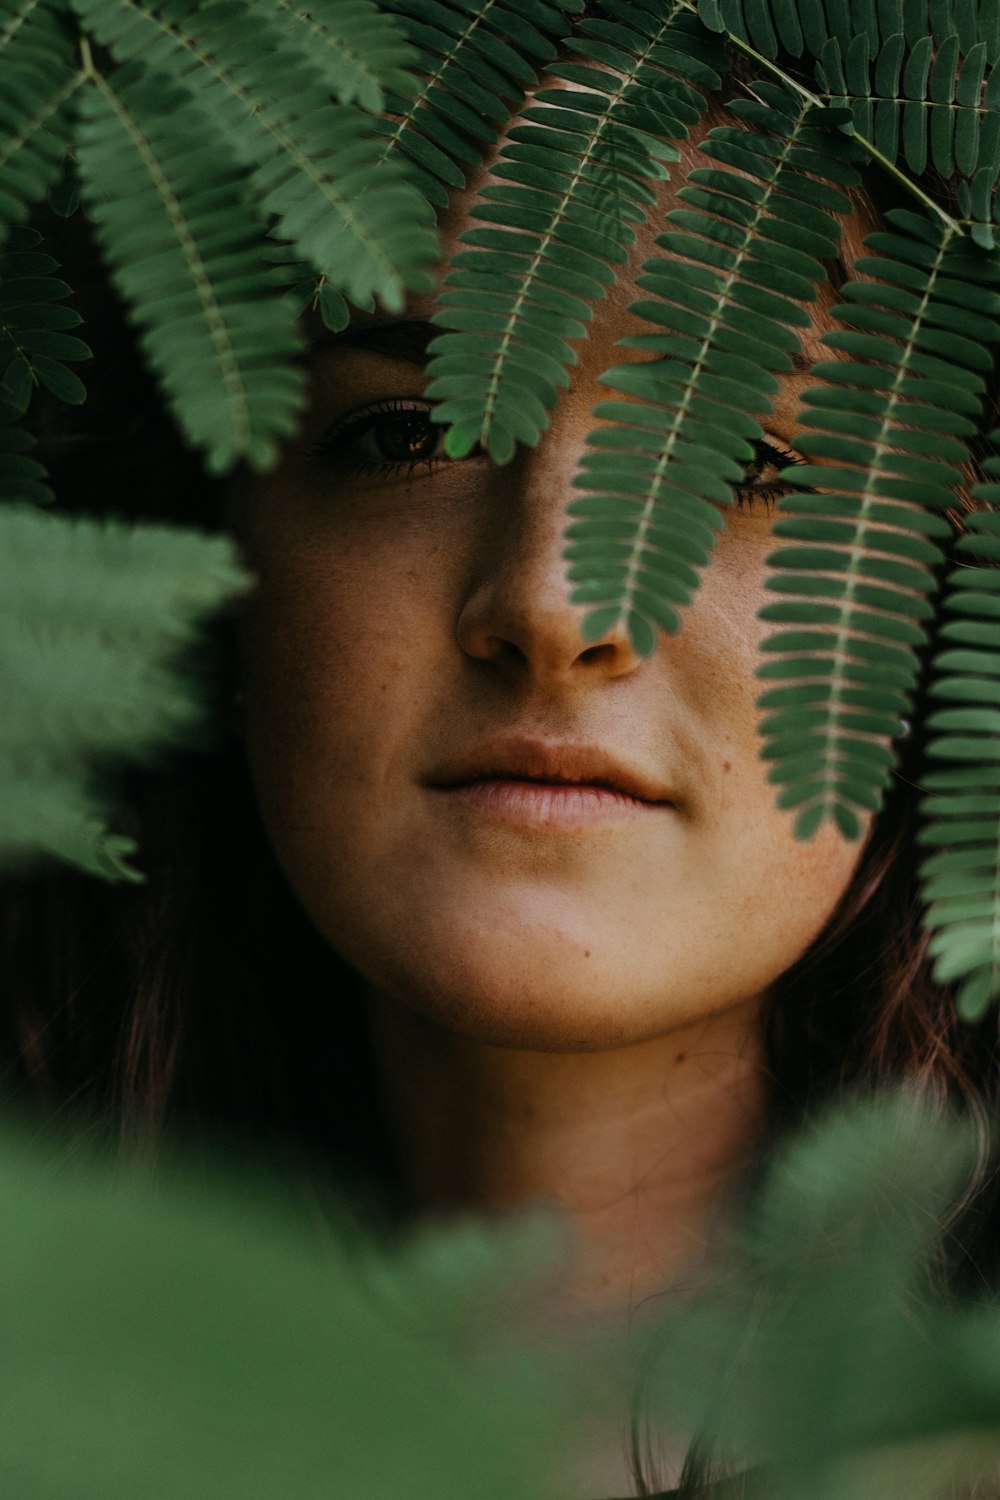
(508, 1011)
(575, 966)
(531, 988)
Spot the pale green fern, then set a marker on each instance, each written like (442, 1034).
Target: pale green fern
(94, 618)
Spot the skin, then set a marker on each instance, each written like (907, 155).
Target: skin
(562, 1015)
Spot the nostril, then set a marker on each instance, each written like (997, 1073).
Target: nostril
(509, 653)
(596, 653)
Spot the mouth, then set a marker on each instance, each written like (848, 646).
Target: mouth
(541, 783)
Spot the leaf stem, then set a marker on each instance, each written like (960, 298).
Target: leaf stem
(818, 102)
(89, 71)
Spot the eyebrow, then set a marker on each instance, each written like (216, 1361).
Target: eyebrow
(405, 339)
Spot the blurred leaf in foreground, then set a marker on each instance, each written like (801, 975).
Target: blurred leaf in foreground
(828, 1360)
(95, 617)
(198, 1340)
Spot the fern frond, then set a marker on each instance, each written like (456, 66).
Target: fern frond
(34, 347)
(40, 75)
(971, 21)
(833, 1349)
(922, 105)
(307, 292)
(919, 82)
(886, 427)
(93, 617)
(574, 178)
(46, 813)
(476, 59)
(34, 344)
(728, 297)
(960, 872)
(21, 477)
(806, 26)
(360, 49)
(770, 26)
(185, 248)
(312, 164)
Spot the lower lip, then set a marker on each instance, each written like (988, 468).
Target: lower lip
(547, 804)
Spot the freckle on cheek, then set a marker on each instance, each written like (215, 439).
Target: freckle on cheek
(727, 765)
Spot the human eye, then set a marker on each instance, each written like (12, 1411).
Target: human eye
(762, 485)
(386, 439)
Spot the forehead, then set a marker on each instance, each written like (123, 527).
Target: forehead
(459, 215)
(611, 319)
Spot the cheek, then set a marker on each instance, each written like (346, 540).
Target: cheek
(717, 656)
(338, 657)
(337, 618)
(755, 895)
(777, 892)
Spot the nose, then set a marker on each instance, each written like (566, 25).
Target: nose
(516, 613)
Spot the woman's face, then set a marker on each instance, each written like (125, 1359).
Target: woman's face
(436, 749)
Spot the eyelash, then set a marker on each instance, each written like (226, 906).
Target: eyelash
(747, 496)
(334, 449)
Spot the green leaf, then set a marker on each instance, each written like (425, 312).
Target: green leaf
(186, 249)
(592, 197)
(94, 618)
(855, 1372)
(361, 50)
(22, 478)
(40, 77)
(310, 163)
(205, 1304)
(712, 378)
(961, 814)
(885, 477)
(476, 59)
(64, 195)
(33, 349)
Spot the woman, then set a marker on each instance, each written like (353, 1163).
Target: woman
(481, 911)
(558, 867)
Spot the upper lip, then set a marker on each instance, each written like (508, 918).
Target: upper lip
(550, 761)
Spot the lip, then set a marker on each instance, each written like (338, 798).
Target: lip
(533, 781)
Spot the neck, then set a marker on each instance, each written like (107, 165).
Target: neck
(637, 1146)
